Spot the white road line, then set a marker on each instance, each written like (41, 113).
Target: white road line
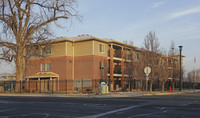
(148, 114)
(111, 112)
(7, 110)
(26, 115)
(186, 104)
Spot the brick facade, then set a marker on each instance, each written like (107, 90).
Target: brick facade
(85, 67)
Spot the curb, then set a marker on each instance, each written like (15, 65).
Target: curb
(110, 95)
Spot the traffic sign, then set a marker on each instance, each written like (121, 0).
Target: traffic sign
(147, 70)
(103, 83)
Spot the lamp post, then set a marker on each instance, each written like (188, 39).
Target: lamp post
(180, 81)
(173, 68)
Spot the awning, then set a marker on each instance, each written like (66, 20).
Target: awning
(43, 75)
(3, 79)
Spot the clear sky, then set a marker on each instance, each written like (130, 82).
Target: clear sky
(177, 20)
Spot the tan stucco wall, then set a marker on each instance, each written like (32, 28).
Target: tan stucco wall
(83, 48)
(59, 49)
(69, 49)
(96, 48)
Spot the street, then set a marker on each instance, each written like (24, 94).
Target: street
(185, 105)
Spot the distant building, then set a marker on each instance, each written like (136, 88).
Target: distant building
(7, 77)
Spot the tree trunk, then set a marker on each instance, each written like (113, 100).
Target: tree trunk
(20, 70)
(163, 86)
(173, 86)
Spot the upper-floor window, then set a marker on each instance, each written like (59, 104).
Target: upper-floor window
(48, 66)
(42, 67)
(46, 50)
(101, 65)
(101, 48)
(138, 56)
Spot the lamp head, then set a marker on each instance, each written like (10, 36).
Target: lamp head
(180, 47)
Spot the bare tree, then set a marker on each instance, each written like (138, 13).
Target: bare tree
(163, 70)
(173, 51)
(191, 77)
(151, 46)
(128, 64)
(139, 70)
(25, 26)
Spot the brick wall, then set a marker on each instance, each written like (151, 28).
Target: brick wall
(85, 67)
(59, 65)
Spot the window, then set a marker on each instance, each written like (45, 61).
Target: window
(138, 56)
(46, 50)
(101, 65)
(101, 48)
(42, 67)
(80, 83)
(48, 67)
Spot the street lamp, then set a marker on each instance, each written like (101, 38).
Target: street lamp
(173, 68)
(180, 81)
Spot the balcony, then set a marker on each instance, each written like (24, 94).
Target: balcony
(117, 53)
(117, 69)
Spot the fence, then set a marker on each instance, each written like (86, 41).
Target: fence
(82, 86)
(51, 86)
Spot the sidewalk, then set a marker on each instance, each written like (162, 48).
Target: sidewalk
(110, 95)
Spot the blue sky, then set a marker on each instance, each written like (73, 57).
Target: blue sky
(177, 20)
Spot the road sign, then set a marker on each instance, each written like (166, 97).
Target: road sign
(103, 83)
(147, 70)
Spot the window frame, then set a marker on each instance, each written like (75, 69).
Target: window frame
(48, 67)
(138, 56)
(101, 65)
(101, 48)
(47, 50)
(42, 67)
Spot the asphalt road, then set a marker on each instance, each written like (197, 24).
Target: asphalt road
(168, 106)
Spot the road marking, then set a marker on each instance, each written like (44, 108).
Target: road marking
(148, 114)
(26, 115)
(7, 110)
(111, 112)
(186, 104)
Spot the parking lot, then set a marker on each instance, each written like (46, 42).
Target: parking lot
(182, 105)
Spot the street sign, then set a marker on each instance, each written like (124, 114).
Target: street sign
(103, 83)
(147, 70)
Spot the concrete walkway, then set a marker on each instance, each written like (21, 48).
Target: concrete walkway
(110, 95)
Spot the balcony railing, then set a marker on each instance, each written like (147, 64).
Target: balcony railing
(117, 71)
(117, 53)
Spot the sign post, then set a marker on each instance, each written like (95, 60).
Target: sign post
(147, 71)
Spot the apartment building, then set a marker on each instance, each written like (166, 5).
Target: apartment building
(83, 57)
